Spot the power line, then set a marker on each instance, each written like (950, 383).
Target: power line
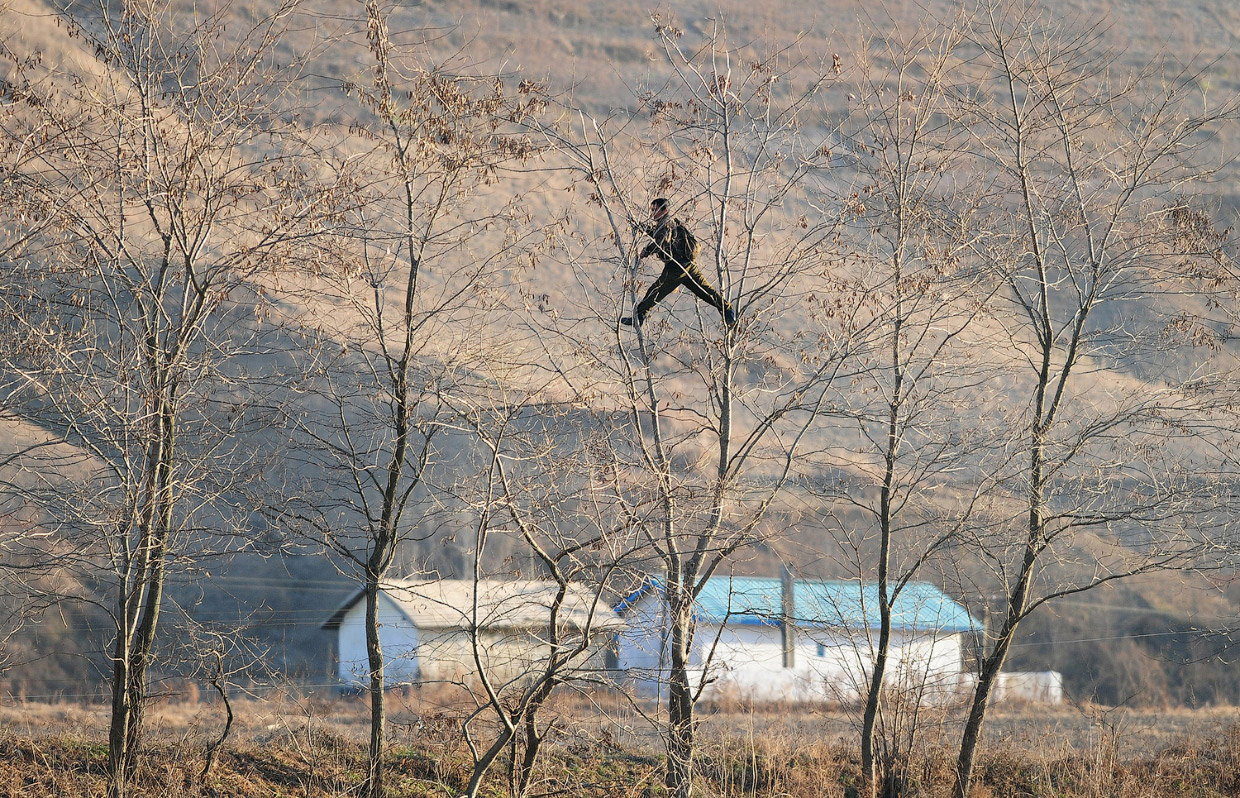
(1170, 633)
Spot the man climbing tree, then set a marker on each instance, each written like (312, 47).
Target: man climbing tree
(678, 249)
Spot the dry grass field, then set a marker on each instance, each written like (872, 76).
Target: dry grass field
(294, 745)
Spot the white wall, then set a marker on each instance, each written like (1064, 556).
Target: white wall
(748, 663)
(397, 635)
(918, 661)
(1039, 687)
(640, 644)
(445, 655)
(829, 665)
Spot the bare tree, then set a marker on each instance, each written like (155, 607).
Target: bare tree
(411, 283)
(708, 418)
(153, 190)
(915, 399)
(224, 658)
(1107, 269)
(537, 486)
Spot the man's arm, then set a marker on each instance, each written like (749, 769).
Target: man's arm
(653, 246)
(661, 240)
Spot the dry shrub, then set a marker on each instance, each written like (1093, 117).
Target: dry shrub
(70, 768)
(311, 747)
(1208, 766)
(1007, 770)
(936, 769)
(777, 765)
(1205, 767)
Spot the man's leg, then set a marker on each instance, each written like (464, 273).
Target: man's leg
(667, 282)
(696, 282)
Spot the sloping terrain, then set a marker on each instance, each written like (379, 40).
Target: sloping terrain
(604, 56)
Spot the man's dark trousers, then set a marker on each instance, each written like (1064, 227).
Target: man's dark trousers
(673, 276)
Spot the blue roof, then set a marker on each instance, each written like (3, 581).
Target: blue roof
(818, 603)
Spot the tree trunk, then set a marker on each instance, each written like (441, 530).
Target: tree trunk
(118, 736)
(869, 769)
(378, 708)
(988, 674)
(681, 724)
(157, 538)
(869, 720)
(140, 660)
(505, 739)
(973, 726)
(131, 658)
(525, 768)
(138, 610)
(509, 737)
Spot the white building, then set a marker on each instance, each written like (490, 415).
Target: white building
(425, 628)
(805, 640)
(1023, 687)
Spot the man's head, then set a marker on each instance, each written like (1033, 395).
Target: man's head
(659, 208)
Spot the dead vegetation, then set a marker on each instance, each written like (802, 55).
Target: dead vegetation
(293, 745)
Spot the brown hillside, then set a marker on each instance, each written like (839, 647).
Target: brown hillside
(603, 56)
